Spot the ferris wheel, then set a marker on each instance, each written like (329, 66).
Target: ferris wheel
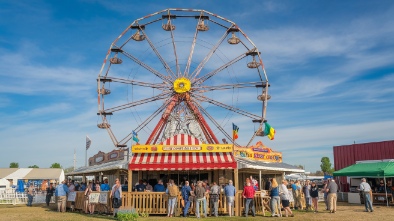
(181, 71)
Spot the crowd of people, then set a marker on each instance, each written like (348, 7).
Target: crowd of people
(195, 195)
(280, 194)
(64, 188)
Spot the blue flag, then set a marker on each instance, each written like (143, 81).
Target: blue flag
(135, 137)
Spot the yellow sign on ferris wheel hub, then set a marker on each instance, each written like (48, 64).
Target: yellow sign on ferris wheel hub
(182, 85)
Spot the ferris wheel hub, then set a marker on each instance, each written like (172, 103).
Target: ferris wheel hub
(182, 85)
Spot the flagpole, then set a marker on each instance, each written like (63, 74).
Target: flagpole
(233, 143)
(86, 156)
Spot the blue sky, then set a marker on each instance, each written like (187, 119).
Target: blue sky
(329, 63)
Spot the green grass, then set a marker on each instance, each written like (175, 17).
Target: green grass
(345, 212)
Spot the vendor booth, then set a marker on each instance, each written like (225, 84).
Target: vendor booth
(383, 169)
(183, 157)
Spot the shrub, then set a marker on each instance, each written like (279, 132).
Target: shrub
(127, 215)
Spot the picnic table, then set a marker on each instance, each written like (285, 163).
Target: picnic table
(380, 198)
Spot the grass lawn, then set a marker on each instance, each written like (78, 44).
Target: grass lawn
(345, 212)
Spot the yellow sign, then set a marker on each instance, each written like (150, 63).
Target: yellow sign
(182, 85)
(258, 152)
(202, 148)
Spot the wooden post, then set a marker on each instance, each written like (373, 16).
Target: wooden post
(130, 180)
(129, 187)
(236, 185)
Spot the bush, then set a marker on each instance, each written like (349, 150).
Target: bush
(127, 215)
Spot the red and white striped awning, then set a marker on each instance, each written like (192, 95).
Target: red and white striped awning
(182, 161)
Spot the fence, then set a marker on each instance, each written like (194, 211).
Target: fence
(10, 196)
(143, 202)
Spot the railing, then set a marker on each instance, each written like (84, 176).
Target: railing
(10, 196)
(156, 203)
(143, 202)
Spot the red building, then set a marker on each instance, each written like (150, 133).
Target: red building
(347, 155)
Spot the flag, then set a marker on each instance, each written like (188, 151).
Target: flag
(88, 142)
(235, 131)
(269, 131)
(135, 137)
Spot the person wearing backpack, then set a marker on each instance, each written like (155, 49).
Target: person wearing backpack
(116, 196)
(173, 192)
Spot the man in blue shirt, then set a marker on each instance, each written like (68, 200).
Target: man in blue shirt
(61, 193)
(140, 187)
(185, 196)
(105, 186)
(159, 187)
(229, 191)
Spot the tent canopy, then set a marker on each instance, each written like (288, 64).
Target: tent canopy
(31, 174)
(370, 169)
(4, 183)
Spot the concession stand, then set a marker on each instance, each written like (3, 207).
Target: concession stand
(183, 157)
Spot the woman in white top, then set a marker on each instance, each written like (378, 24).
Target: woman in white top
(284, 196)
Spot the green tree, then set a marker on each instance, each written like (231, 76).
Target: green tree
(56, 165)
(34, 166)
(326, 166)
(14, 165)
(299, 166)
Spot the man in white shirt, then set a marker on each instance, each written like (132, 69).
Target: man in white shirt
(365, 189)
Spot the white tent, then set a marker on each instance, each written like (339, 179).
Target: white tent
(4, 184)
(31, 174)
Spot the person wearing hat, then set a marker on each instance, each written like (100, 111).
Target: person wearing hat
(229, 191)
(365, 189)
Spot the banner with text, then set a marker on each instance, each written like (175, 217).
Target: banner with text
(182, 148)
(258, 152)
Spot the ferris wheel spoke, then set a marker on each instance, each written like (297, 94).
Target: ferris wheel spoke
(166, 66)
(208, 56)
(171, 29)
(147, 67)
(144, 123)
(189, 60)
(109, 111)
(205, 112)
(162, 86)
(203, 89)
(213, 73)
(225, 106)
(151, 117)
(108, 128)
